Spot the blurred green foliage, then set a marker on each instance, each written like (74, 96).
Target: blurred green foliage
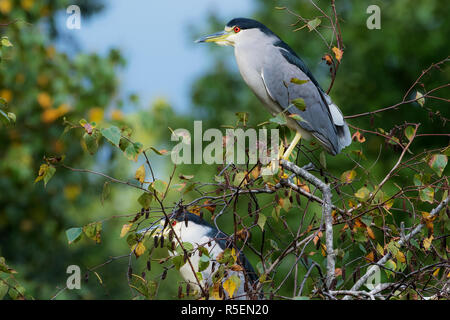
(42, 86)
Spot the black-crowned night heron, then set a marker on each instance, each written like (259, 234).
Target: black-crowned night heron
(190, 228)
(271, 69)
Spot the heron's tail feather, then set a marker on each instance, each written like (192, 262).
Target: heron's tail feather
(343, 132)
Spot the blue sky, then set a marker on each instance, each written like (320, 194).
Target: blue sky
(154, 37)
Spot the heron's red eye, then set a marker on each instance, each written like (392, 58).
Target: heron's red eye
(236, 29)
(174, 222)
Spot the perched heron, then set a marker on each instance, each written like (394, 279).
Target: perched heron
(272, 70)
(190, 228)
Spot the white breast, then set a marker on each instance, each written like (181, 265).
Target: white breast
(249, 58)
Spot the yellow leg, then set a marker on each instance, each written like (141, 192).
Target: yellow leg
(293, 144)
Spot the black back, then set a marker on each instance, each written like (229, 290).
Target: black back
(221, 238)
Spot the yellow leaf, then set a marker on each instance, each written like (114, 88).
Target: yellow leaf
(348, 176)
(255, 172)
(359, 137)
(317, 237)
(208, 205)
(49, 115)
(98, 277)
(139, 250)
(233, 254)
(62, 109)
(436, 272)
(428, 220)
(6, 94)
(27, 4)
(420, 99)
(370, 233)
(95, 114)
(327, 59)
(400, 257)
(50, 51)
(305, 187)
(116, 115)
(370, 256)
(337, 53)
(71, 192)
(380, 249)
(42, 80)
(359, 223)
(388, 204)
(427, 242)
(362, 193)
(44, 100)
(236, 267)
(195, 210)
(125, 229)
(323, 249)
(5, 6)
(230, 285)
(140, 174)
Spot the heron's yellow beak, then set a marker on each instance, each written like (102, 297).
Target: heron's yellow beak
(218, 37)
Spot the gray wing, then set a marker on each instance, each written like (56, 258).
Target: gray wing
(277, 74)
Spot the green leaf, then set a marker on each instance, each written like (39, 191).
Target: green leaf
(313, 24)
(145, 200)
(299, 103)
(242, 117)
(133, 150)
(438, 162)
(12, 116)
(393, 248)
(4, 267)
(46, 172)
(5, 42)
(112, 134)
(274, 244)
(362, 193)
(409, 132)
(49, 174)
(3, 289)
(418, 180)
(73, 234)
(279, 119)
(323, 159)
(297, 117)
(390, 264)
(420, 98)
(298, 81)
(159, 152)
(203, 263)
(188, 246)
(262, 221)
(178, 261)
(93, 231)
(360, 235)
(106, 191)
(91, 141)
(160, 186)
(427, 194)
